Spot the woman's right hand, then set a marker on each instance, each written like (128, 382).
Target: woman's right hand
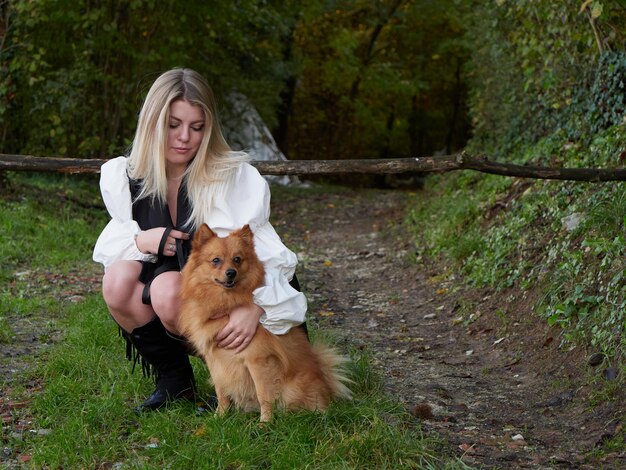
(148, 241)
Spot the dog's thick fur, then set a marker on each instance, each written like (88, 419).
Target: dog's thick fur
(286, 370)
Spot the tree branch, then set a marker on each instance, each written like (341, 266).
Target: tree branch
(435, 164)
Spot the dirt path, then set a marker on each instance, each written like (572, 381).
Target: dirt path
(473, 364)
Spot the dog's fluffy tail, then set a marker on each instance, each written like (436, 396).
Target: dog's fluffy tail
(334, 369)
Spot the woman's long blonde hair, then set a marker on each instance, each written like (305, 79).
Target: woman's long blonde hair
(210, 173)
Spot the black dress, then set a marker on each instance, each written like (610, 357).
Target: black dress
(149, 213)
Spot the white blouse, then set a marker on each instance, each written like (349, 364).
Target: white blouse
(248, 202)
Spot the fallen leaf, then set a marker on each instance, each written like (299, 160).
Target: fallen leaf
(18, 404)
(467, 448)
(513, 362)
(328, 263)
(326, 313)
(584, 5)
(514, 444)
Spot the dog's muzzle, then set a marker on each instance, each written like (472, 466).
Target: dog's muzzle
(230, 282)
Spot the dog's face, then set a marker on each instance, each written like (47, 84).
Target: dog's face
(230, 262)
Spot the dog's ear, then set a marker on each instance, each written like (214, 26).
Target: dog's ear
(203, 235)
(244, 233)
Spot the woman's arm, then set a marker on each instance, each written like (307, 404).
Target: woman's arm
(248, 202)
(117, 240)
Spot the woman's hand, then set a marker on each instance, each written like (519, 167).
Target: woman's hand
(241, 327)
(148, 241)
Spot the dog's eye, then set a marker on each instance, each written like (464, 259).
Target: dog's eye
(215, 261)
(237, 260)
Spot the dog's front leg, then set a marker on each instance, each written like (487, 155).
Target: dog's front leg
(223, 401)
(264, 375)
(266, 410)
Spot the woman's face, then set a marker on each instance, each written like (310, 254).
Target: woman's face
(185, 132)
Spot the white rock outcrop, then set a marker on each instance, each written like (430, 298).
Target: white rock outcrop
(245, 130)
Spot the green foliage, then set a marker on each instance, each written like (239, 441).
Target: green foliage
(335, 78)
(378, 79)
(542, 66)
(74, 72)
(547, 84)
(503, 234)
(6, 332)
(608, 92)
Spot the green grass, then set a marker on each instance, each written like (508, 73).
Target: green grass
(89, 392)
(6, 332)
(80, 391)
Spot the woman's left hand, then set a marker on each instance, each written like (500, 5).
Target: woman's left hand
(241, 327)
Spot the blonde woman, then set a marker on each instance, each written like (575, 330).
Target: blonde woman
(181, 173)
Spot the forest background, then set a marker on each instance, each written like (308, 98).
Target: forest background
(521, 81)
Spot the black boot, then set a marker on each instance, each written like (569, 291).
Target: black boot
(167, 358)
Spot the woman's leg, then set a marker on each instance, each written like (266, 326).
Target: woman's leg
(122, 293)
(164, 293)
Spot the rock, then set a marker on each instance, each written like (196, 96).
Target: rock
(610, 373)
(458, 408)
(507, 456)
(245, 130)
(595, 359)
(558, 400)
(572, 221)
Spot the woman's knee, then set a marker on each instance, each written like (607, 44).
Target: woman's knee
(119, 283)
(165, 296)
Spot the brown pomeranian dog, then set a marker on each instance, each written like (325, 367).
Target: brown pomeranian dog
(285, 370)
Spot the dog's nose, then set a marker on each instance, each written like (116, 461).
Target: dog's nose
(231, 273)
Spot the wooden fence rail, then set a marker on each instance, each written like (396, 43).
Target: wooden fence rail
(435, 164)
